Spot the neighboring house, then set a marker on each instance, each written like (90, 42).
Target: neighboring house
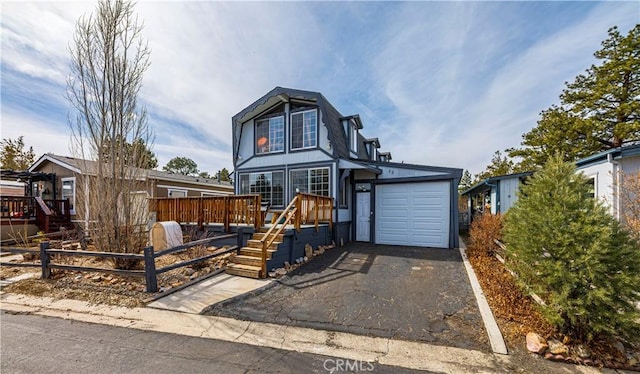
(605, 170)
(11, 188)
(496, 194)
(65, 171)
(292, 141)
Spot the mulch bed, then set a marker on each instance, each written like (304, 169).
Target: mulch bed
(517, 315)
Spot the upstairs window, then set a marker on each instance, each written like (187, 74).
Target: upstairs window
(304, 129)
(270, 135)
(354, 138)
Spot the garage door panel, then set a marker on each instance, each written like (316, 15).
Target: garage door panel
(415, 214)
(427, 226)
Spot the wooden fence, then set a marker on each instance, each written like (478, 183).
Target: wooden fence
(149, 257)
(227, 210)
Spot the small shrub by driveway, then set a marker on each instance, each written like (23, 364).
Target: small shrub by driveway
(409, 293)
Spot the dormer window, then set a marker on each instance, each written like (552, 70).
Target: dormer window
(354, 138)
(304, 129)
(270, 135)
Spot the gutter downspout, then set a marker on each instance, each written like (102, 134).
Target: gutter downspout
(616, 185)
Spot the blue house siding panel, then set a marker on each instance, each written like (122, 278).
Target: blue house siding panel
(508, 193)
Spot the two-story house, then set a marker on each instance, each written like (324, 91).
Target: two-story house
(291, 141)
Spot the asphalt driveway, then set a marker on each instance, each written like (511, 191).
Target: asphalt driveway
(409, 293)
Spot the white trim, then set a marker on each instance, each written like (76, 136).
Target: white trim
(230, 192)
(75, 191)
(46, 157)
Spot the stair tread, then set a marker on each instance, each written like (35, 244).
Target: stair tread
(244, 267)
(257, 240)
(254, 249)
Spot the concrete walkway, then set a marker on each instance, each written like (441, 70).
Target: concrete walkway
(211, 291)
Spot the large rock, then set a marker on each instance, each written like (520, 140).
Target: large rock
(536, 343)
(583, 351)
(557, 347)
(308, 251)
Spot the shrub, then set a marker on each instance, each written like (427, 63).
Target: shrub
(484, 229)
(571, 252)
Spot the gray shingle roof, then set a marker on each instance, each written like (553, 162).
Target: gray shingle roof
(330, 115)
(90, 167)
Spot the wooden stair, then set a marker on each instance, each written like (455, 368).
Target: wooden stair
(248, 263)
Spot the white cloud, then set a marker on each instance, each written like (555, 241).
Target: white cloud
(438, 123)
(438, 83)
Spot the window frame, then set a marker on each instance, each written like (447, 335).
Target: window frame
(293, 191)
(353, 138)
(268, 120)
(72, 208)
(291, 132)
(343, 199)
(171, 190)
(271, 192)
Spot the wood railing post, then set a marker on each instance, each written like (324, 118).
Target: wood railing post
(297, 218)
(150, 270)
(226, 213)
(44, 260)
(316, 209)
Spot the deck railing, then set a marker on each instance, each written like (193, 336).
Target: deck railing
(16, 207)
(314, 209)
(227, 210)
(36, 208)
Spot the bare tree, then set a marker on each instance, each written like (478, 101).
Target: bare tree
(629, 201)
(109, 57)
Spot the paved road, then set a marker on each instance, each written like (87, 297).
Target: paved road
(408, 293)
(34, 344)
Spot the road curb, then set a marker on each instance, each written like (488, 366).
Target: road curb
(490, 324)
(384, 351)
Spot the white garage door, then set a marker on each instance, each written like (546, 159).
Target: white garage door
(414, 214)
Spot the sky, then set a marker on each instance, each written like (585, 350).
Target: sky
(439, 83)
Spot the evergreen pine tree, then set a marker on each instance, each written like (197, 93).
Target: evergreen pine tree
(566, 248)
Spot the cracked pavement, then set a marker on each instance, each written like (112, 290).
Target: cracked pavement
(407, 293)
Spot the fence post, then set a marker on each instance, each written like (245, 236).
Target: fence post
(150, 270)
(44, 260)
